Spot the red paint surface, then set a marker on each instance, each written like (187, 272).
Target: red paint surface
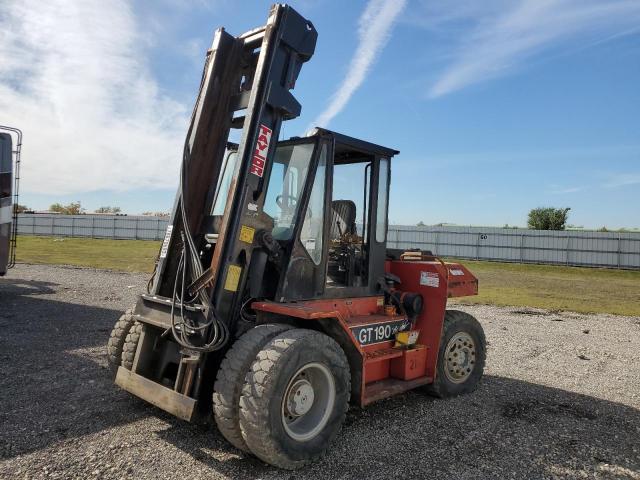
(415, 363)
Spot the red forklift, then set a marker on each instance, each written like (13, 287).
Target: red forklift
(275, 302)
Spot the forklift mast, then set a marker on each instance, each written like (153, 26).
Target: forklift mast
(245, 85)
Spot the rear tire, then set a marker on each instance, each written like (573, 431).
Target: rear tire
(131, 345)
(118, 338)
(461, 358)
(295, 398)
(230, 380)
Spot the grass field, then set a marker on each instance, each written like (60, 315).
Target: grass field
(541, 286)
(124, 255)
(556, 287)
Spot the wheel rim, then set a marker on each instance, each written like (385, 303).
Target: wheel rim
(460, 357)
(308, 401)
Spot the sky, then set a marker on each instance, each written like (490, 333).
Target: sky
(497, 106)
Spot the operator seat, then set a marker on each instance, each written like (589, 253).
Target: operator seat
(343, 218)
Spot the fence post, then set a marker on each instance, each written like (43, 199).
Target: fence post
(158, 235)
(566, 250)
(437, 243)
(478, 246)
(521, 246)
(73, 226)
(93, 224)
(619, 249)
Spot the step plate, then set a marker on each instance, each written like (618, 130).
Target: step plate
(384, 354)
(387, 388)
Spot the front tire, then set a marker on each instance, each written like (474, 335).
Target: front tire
(230, 380)
(295, 398)
(461, 358)
(118, 338)
(131, 345)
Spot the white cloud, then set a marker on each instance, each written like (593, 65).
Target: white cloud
(73, 77)
(498, 40)
(374, 29)
(622, 180)
(559, 190)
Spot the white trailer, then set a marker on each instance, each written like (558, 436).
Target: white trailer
(10, 145)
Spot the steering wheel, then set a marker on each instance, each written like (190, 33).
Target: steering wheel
(291, 200)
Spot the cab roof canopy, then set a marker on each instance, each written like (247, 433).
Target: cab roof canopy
(353, 150)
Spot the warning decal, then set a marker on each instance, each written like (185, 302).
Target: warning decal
(246, 234)
(259, 159)
(233, 278)
(430, 279)
(165, 242)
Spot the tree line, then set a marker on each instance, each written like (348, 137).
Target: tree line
(544, 218)
(75, 208)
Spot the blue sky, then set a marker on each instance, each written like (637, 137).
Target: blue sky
(496, 106)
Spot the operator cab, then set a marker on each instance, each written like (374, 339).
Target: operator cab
(327, 200)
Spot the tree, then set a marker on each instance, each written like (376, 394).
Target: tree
(113, 210)
(420, 224)
(156, 214)
(548, 218)
(74, 208)
(21, 208)
(57, 208)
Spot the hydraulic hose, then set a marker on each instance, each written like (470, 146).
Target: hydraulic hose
(190, 266)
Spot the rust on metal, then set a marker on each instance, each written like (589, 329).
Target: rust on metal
(168, 400)
(387, 388)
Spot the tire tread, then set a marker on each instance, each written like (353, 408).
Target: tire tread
(130, 345)
(259, 385)
(117, 339)
(230, 380)
(452, 317)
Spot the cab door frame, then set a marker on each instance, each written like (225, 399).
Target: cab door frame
(376, 251)
(303, 278)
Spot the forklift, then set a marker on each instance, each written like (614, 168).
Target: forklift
(275, 302)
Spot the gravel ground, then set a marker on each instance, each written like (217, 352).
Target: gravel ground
(561, 398)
